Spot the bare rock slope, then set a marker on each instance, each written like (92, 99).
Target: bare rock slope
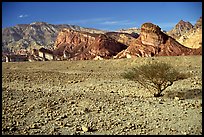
(35, 35)
(180, 29)
(153, 42)
(187, 34)
(79, 45)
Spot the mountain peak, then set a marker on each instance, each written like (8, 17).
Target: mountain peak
(181, 21)
(184, 23)
(150, 27)
(198, 23)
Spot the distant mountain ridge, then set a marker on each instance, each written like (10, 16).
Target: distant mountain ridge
(71, 42)
(35, 35)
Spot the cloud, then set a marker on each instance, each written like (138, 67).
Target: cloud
(109, 22)
(23, 16)
(104, 23)
(83, 21)
(91, 20)
(118, 22)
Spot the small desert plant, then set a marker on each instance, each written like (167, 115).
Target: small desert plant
(155, 76)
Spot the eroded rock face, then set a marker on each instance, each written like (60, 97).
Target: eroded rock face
(153, 42)
(151, 35)
(193, 38)
(78, 45)
(124, 38)
(198, 23)
(72, 42)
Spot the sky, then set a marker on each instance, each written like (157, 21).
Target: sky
(101, 15)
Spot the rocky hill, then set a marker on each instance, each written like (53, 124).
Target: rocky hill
(35, 35)
(187, 34)
(153, 42)
(80, 45)
(180, 29)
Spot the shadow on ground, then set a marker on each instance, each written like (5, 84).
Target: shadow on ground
(185, 94)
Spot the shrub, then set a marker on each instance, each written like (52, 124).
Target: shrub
(155, 76)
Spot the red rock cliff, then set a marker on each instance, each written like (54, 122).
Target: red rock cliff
(82, 45)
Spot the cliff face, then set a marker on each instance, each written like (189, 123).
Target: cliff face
(151, 35)
(73, 42)
(78, 45)
(153, 42)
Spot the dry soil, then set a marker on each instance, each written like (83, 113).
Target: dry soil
(91, 97)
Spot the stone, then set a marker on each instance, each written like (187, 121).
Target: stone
(176, 98)
(85, 128)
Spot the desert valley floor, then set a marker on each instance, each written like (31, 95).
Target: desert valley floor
(91, 97)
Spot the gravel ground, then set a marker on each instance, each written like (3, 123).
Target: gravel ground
(91, 97)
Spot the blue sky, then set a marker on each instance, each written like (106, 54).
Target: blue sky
(101, 15)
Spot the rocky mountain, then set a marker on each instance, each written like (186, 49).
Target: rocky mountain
(35, 35)
(187, 34)
(80, 45)
(153, 42)
(180, 29)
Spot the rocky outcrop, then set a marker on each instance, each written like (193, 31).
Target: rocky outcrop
(73, 42)
(151, 35)
(191, 37)
(79, 45)
(153, 42)
(124, 38)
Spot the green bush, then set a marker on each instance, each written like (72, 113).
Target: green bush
(155, 76)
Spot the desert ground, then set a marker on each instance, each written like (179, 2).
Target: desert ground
(91, 97)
